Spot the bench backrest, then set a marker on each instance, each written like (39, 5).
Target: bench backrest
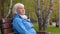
(6, 25)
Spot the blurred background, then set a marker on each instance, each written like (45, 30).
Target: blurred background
(30, 7)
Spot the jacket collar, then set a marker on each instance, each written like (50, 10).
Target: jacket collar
(17, 15)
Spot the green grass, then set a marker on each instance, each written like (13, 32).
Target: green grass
(51, 29)
(0, 31)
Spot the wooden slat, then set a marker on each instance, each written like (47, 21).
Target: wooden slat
(6, 25)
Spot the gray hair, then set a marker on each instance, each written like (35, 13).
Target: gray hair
(16, 6)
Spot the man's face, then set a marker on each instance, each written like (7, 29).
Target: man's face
(21, 10)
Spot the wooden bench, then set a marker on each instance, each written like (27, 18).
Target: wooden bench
(6, 27)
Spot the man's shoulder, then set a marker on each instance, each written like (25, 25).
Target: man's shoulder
(17, 19)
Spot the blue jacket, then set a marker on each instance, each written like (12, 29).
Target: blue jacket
(22, 26)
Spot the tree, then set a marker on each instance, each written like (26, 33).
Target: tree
(10, 9)
(43, 19)
(59, 13)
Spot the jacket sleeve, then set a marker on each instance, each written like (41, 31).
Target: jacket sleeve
(18, 25)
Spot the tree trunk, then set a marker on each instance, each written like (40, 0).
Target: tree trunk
(59, 13)
(10, 10)
(39, 15)
(46, 18)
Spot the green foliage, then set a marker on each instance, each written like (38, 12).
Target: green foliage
(30, 7)
(55, 14)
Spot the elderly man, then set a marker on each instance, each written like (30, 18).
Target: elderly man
(21, 25)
